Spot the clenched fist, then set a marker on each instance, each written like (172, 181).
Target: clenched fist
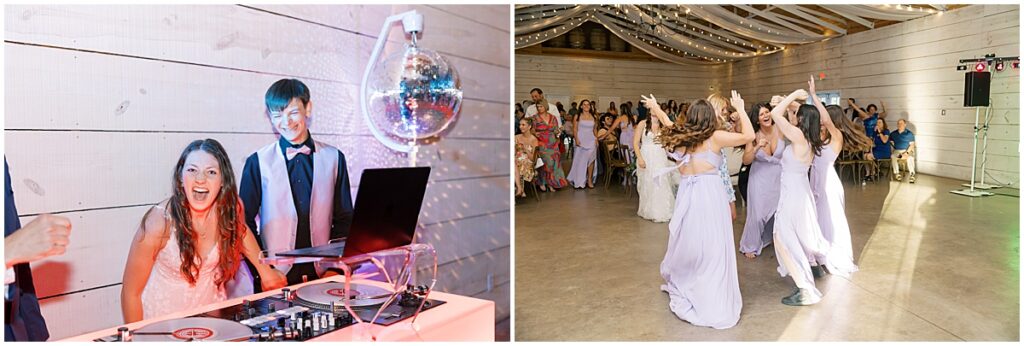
(47, 235)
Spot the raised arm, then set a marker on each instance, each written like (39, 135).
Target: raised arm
(860, 112)
(883, 113)
(732, 139)
(826, 119)
(652, 104)
(618, 119)
(792, 133)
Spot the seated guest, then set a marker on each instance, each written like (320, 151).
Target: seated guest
(45, 236)
(526, 155)
(881, 150)
(605, 132)
(903, 141)
(189, 246)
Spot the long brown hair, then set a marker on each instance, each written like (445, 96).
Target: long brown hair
(854, 139)
(231, 225)
(691, 130)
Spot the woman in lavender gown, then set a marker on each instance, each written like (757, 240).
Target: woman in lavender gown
(763, 155)
(841, 134)
(699, 268)
(798, 239)
(584, 134)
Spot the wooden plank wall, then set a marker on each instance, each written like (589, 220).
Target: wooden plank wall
(912, 67)
(596, 78)
(102, 99)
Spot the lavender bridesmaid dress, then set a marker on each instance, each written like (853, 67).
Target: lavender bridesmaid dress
(585, 154)
(831, 209)
(798, 237)
(763, 198)
(700, 266)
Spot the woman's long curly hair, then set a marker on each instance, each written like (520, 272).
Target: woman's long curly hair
(691, 130)
(231, 227)
(809, 121)
(854, 139)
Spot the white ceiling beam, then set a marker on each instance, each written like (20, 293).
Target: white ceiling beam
(856, 19)
(820, 14)
(939, 7)
(772, 17)
(893, 14)
(742, 26)
(799, 21)
(797, 11)
(722, 33)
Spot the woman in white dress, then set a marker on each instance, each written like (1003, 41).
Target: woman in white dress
(190, 245)
(657, 191)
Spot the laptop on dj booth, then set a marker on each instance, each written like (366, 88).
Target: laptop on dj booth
(386, 211)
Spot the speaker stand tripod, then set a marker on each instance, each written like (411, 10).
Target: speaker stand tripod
(984, 154)
(974, 161)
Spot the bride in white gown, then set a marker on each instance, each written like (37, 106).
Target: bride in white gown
(657, 188)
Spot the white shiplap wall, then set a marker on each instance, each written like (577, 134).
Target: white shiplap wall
(910, 65)
(102, 99)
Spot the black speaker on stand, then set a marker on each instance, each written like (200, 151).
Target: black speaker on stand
(976, 90)
(976, 94)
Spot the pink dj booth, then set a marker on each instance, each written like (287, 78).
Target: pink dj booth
(459, 318)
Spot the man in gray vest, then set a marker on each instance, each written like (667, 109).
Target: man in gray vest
(297, 186)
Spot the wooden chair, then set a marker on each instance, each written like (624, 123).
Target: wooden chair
(613, 162)
(855, 162)
(884, 167)
(626, 154)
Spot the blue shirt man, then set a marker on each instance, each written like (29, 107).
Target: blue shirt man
(902, 139)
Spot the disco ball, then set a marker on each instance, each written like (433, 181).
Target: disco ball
(413, 94)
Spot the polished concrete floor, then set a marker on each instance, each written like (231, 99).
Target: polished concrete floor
(934, 266)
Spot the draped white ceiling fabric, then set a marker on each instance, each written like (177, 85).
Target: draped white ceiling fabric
(708, 34)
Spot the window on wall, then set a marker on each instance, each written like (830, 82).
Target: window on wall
(828, 98)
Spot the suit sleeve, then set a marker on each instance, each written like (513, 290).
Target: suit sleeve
(342, 215)
(251, 192)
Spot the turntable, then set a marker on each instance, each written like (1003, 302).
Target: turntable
(193, 329)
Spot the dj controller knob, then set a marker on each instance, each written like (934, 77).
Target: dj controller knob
(123, 334)
(286, 293)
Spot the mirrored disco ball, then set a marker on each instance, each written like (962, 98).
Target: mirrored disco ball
(413, 94)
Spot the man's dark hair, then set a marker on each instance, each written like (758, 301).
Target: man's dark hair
(283, 91)
(537, 90)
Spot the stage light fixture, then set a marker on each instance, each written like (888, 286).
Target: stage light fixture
(980, 67)
(1000, 66)
(961, 67)
(1016, 64)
